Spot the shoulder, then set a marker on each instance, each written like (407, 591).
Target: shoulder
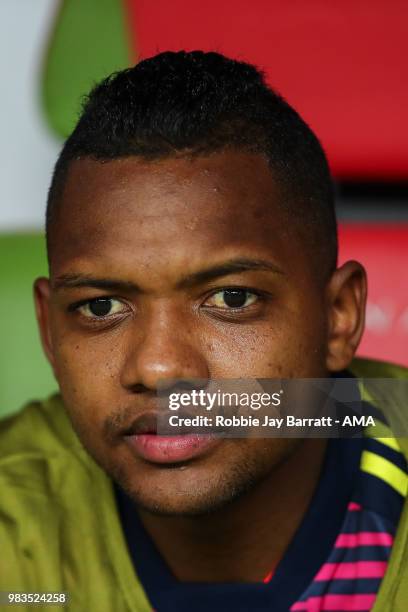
(49, 491)
(385, 385)
(41, 457)
(41, 426)
(38, 445)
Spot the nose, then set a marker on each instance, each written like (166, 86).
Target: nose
(167, 348)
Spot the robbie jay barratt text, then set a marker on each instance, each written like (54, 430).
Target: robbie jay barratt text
(250, 421)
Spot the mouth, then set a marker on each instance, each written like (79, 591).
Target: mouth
(146, 443)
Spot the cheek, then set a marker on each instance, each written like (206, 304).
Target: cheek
(87, 370)
(286, 348)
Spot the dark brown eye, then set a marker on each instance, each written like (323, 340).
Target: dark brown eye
(232, 298)
(101, 307)
(235, 298)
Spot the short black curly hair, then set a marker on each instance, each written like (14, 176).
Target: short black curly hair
(193, 103)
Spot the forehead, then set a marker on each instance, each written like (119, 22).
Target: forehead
(177, 208)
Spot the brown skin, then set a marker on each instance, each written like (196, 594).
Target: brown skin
(152, 226)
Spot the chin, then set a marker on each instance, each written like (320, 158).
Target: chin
(185, 491)
(187, 504)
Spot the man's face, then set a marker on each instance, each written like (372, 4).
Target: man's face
(170, 245)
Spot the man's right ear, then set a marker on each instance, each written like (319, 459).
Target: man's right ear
(42, 309)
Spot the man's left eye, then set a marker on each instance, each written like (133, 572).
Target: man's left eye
(232, 298)
(101, 307)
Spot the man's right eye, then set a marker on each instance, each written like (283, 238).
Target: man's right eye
(101, 308)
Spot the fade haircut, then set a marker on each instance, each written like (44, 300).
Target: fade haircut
(196, 103)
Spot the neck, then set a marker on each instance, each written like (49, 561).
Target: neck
(247, 538)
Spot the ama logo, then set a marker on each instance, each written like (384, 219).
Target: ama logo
(358, 421)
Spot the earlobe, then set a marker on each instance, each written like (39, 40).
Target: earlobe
(346, 300)
(42, 299)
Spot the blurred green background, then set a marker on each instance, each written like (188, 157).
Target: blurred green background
(24, 371)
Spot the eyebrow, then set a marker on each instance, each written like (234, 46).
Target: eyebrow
(75, 281)
(233, 266)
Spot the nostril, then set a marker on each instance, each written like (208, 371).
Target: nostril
(140, 388)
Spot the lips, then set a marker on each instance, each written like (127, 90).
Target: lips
(144, 441)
